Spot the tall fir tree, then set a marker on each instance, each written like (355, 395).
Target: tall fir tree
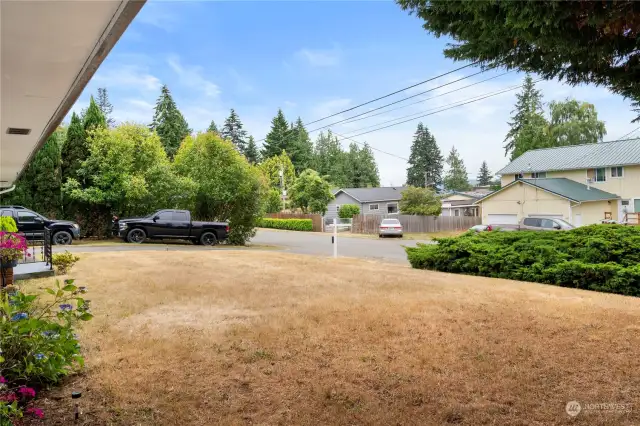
(213, 128)
(39, 187)
(484, 175)
(301, 147)
(74, 148)
(251, 153)
(105, 106)
(93, 117)
(528, 106)
(456, 178)
(361, 168)
(279, 137)
(169, 122)
(330, 160)
(425, 161)
(233, 131)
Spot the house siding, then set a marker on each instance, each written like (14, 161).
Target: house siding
(524, 200)
(341, 199)
(593, 211)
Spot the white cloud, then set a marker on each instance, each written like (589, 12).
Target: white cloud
(128, 76)
(320, 57)
(134, 110)
(160, 15)
(191, 76)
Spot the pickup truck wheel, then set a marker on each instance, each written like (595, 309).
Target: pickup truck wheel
(62, 238)
(208, 239)
(136, 236)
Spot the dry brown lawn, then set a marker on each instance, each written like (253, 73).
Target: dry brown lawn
(245, 337)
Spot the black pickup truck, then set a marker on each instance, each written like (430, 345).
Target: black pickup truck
(170, 224)
(32, 225)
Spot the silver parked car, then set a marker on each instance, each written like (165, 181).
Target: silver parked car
(390, 228)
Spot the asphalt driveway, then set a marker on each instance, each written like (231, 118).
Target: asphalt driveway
(311, 243)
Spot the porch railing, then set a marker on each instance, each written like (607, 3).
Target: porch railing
(38, 250)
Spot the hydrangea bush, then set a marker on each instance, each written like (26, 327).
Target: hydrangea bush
(37, 344)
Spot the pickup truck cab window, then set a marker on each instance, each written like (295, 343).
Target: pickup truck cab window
(532, 221)
(26, 217)
(180, 216)
(165, 215)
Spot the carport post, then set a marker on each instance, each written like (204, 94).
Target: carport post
(335, 237)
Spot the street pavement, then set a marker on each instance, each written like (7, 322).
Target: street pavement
(311, 243)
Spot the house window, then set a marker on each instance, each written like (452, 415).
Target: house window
(597, 175)
(616, 172)
(519, 176)
(456, 212)
(392, 208)
(539, 175)
(373, 207)
(624, 202)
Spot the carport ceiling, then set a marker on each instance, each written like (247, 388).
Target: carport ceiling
(49, 51)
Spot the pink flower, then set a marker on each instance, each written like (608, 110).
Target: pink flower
(37, 412)
(10, 397)
(27, 392)
(3, 380)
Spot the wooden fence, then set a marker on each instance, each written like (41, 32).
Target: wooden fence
(369, 224)
(316, 219)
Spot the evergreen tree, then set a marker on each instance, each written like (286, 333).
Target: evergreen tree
(330, 160)
(528, 104)
(105, 106)
(361, 168)
(233, 131)
(251, 153)
(484, 175)
(301, 147)
(93, 117)
(279, 137)
(169, 123)
(74, 149)
(456, 178)
(39, 187)
(213, 128)
(425, 160)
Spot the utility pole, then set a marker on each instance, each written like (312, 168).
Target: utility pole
(283, 191)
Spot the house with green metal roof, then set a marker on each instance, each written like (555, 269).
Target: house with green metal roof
(582, 184)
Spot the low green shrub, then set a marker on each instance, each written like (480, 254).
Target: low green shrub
(7, 224)
(288, 224)
(63, 262)
(597, 257)
(38, 343)
(347, 211)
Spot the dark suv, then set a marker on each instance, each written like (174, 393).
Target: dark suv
(32, 225)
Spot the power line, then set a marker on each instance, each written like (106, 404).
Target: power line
(422, 112)
(630, 133)
(402, 100)
(386, 96)
(349, 120)
(366, 144)
(441, 110)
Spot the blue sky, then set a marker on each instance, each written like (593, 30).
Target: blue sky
(313, 59)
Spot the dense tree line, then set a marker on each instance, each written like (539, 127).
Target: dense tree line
(94, 168)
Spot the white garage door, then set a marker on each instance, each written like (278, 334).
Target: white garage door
(502, 219)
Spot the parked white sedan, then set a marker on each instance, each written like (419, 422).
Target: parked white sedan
(390, 228)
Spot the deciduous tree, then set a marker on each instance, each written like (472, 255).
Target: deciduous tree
(271, 168)
(420, 201)
(227, 187)
(311, 193)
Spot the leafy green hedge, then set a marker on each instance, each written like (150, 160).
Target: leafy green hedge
(7, 224)
(289, 224)
(597, 257)
(347, 211)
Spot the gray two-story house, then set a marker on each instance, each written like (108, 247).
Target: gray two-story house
(376, 201)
